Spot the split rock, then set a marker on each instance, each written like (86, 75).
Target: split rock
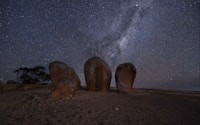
(97, 74)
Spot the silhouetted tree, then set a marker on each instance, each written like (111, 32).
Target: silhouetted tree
(32, 75)
(11, 82)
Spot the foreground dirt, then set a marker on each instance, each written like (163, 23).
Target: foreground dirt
(32, 107)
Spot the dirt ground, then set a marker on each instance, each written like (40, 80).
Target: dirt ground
(145, 107)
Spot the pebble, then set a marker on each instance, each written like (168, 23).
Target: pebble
(116, 108)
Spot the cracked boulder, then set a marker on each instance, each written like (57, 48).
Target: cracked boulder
(97, 74)
(64, 79)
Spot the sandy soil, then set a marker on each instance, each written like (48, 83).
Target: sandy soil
(145, 107)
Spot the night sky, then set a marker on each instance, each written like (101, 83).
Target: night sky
(160, 37)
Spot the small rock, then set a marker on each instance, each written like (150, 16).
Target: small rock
(116, 108)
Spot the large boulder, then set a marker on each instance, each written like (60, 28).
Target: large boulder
(125, 75)
(64, 79)
(97, 74)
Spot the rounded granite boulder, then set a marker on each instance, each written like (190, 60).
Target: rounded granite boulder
(125, 75)
(97, 74)
(64, 79)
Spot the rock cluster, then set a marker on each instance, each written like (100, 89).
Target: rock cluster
(97, 73)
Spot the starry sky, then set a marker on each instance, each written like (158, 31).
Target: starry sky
(160, 37)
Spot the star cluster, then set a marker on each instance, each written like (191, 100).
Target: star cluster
(161, 38)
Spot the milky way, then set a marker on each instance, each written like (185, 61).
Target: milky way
(160, 37)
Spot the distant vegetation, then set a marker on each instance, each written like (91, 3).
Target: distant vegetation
(33, 75)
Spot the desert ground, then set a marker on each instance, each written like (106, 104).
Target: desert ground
(30, 105)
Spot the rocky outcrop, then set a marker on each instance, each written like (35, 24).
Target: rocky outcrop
(64, 79)
(125, 75)
(97, 74)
